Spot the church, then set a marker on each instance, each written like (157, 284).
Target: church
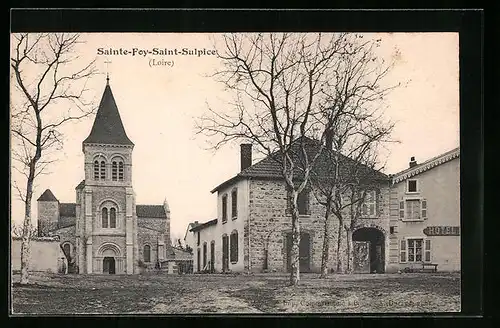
(105, 231)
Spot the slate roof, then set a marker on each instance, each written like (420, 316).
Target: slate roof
(67, 209)
(80, 185)
(108, 127)
(47, 196)
(150, 211)
(270, 167)
(144, 211)
(204, 225)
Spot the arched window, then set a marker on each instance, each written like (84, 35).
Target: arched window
(147, 253)
(114, 171)
(96, 170)
(120, 171)
(112, 218)
(103, 170)
(104, 217)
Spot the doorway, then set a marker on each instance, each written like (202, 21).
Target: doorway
(225, 253)
(212, 256)
(304, 252)
(369, 250)
(108, 265)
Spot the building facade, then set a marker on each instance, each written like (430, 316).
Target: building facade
(252, 232)
(105, 231)
(253, 228)
(425, 214)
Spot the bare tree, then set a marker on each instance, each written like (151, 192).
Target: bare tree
(17, 230)
(45, 80)
(280, 83)
(354, 128)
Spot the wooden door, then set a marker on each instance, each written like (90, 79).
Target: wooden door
(212, 257)
(304, 252)
(225, 253)
(361, 256)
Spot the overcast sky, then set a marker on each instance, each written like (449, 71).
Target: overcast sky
(158, 105)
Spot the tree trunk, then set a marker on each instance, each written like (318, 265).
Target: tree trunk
(25, 244)
(350, 252)
(294, 258)
(340, 268)
(326, 243)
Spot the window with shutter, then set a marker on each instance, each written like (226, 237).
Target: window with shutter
(402, 251)
(96, 170)
(424, 209)
(224, 208)
(413, 209)
(369, 207)
(402, 209)
(415, 250)
(234, 204)
(103, 170)
(114, 171)
(120, 171)
(427, 250)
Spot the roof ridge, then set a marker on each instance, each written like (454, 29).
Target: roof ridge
(427, 165)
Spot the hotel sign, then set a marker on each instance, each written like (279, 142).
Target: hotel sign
(442, 231)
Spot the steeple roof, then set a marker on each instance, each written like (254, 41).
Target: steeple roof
(108, 127)
(47, 196)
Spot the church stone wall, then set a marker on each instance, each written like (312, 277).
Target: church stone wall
(148, 237)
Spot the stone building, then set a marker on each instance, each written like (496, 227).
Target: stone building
(253, 228)
(425, 214)
(105, 231)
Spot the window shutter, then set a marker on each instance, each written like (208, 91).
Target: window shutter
(402, 251)
(402, 209)
(427, 251)
(423, 209)
(377, 201)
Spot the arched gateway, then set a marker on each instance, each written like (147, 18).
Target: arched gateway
(110, 256)
(369, 250)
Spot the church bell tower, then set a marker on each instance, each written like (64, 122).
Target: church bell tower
(106, 229)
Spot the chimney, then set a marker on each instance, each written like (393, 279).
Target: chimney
(413, 162)
(195, 223)
(246, 156)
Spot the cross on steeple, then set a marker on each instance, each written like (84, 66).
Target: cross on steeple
(107, 62)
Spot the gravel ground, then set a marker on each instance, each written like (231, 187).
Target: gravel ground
(259, 293)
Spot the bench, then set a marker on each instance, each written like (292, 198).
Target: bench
(432, 267)
(426, 267)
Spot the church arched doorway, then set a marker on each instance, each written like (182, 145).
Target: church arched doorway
(109, 259)
(369, 250)
(108, 265)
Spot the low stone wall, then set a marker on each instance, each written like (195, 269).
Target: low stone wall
(45, 255)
